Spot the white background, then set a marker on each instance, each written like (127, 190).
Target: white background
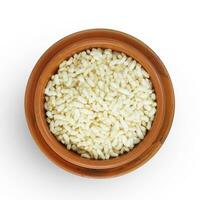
(170, 28)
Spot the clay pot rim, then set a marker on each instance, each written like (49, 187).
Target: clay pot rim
(41, 124)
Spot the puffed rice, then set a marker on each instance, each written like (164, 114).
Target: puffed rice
(100, 103)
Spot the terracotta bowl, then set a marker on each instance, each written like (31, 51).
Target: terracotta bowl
(48, 65)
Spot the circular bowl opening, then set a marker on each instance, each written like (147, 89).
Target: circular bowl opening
(103, 38)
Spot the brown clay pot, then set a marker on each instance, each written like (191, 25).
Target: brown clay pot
(48, 65)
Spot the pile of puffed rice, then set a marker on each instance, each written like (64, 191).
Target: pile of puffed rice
(100, 103)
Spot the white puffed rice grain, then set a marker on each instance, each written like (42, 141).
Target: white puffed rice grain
(100, 103)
